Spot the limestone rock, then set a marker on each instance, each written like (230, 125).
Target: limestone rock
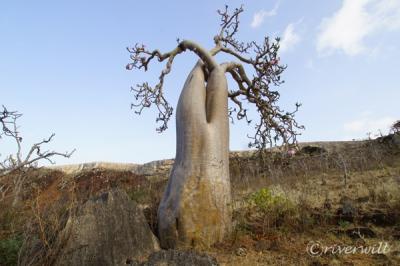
(77, 168)
(313, 150)
(155, 170)
(106, 230)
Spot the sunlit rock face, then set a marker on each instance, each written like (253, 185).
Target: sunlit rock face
(195, 208)
(106, 230)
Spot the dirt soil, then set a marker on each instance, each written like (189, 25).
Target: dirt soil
(345, 194)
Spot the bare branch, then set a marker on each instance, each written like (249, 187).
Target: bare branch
(144, 94)
(275, 125)
(229, 27)
(8, 120)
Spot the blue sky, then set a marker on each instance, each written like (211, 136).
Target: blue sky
(62, 64)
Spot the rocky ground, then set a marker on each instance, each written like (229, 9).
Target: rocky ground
(336, 194)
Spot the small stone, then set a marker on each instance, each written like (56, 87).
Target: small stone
(241, 252)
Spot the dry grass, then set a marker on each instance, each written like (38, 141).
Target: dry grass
(362, 177)
(306, 198)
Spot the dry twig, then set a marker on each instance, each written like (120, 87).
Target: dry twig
(274, 124)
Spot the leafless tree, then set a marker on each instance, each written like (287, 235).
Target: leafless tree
(396, 127)
(17, 163)
(274, 124)
(199, 179)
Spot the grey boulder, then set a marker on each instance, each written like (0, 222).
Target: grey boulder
(107, 230)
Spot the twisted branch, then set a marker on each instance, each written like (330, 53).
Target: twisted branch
(275, 125)
(144, 94)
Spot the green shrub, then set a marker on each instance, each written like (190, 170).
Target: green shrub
(9, 249)
(265, 201)
(344, 224)
(266, 210)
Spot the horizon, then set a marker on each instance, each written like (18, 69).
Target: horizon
(316, 143)
(63, 68)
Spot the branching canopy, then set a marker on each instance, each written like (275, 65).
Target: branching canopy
(273, 125)
(8, 122)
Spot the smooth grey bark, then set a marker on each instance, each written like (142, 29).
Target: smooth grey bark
(195, 208)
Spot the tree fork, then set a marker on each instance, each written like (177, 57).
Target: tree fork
(195, 208)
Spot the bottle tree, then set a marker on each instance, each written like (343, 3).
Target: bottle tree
(195, 209)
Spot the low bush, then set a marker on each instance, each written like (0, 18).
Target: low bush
(9, 249)
(264, 201)
(264, 211)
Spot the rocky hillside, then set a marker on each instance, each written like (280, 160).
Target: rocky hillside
(159, 169)
(154, 169)
(337, 193)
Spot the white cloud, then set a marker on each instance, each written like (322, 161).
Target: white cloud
(260, 16)
(289, 39)
(368, 123)
(356, 20)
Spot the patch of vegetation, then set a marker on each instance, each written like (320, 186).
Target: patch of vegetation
(138, 195)
(344, 224)
(265, 201)
(265, 210)
(9, 249)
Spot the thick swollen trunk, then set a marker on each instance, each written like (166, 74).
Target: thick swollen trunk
(195, 208)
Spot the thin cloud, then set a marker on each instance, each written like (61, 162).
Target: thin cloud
(261, 15)
(347, 29)
(290, 38)
(367, 124)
